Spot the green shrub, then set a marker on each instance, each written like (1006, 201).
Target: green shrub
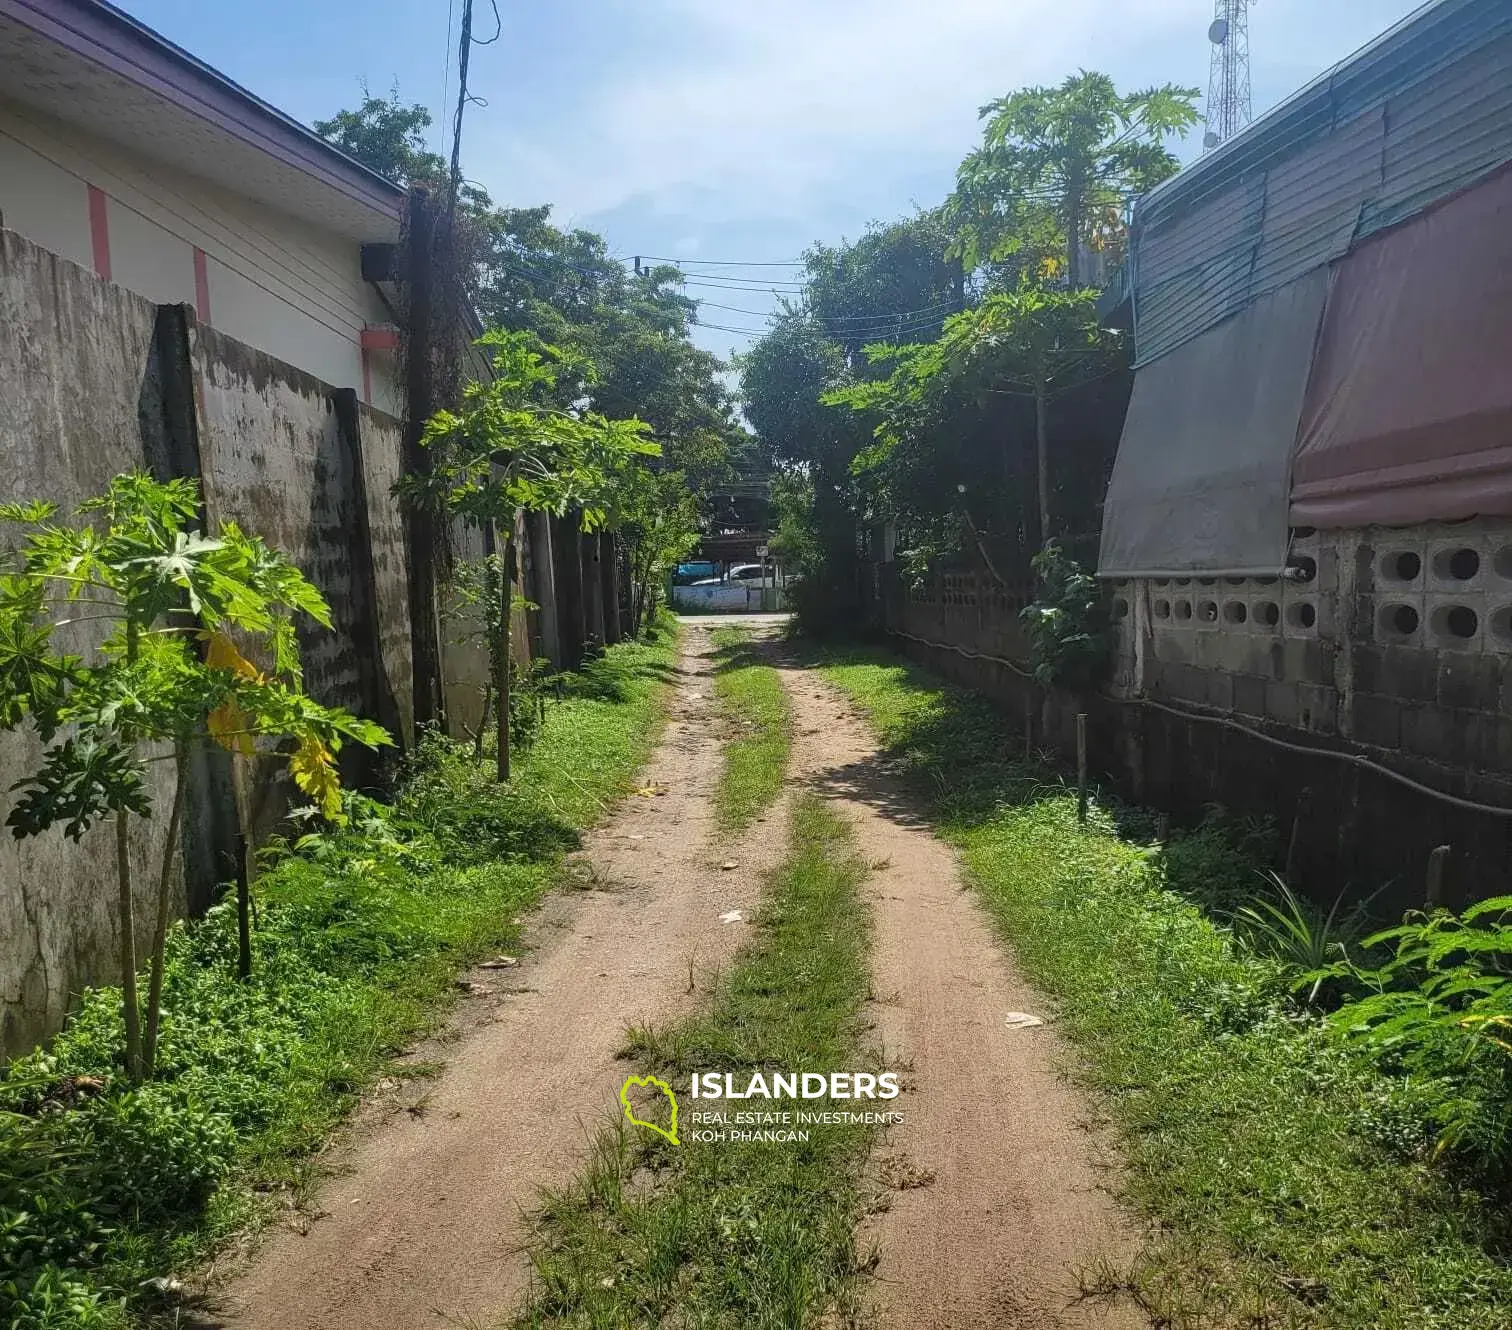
(1440, 1016)
(47, 1298)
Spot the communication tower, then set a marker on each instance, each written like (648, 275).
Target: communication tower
(1229, 107)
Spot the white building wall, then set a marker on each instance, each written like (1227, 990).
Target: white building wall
(273, 281)
(45, 204)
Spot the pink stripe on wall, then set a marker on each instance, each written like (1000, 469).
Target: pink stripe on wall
(99, 230)
(201, 287)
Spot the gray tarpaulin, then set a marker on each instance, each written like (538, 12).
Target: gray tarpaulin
(1202, 479)
(1409, 414)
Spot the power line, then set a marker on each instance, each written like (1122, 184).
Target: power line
(897, 331)
(451, 6)
(728, 263)
(948, 306)
(737, 283)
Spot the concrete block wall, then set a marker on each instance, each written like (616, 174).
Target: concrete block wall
(968, 609)
(1397, 639)
(1331, 661)
(74, 383)
(100, 381)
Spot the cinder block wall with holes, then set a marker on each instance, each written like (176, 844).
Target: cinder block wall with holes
(1392, 644)
(1395, 639)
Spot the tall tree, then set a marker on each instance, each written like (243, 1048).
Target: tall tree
(1032, 342)
(388, 138)
(1057, 169)
(895, 284)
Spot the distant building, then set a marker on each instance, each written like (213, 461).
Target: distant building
(125, 154)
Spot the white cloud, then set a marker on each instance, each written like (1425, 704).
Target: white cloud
(771, 103)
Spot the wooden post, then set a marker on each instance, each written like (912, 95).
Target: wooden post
(609, 581)
(593, 592)
(421, 526)
(1042, 453)
(1438, 862)
(1081, 766)
(567, 552)
(1028, 727)
(503, 704)
(543, 590)
(1163, 828)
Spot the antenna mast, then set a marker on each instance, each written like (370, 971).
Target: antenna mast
(1229, 106)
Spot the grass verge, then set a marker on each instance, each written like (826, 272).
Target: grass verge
(756, 1234)
(1292, 1181)
(755, 705)
(106, 1188)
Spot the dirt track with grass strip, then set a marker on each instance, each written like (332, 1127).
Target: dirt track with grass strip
(424, 1220)
(986, 1204)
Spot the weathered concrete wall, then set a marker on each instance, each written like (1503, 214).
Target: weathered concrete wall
(281, 456)
(95, 381)
(75, 374)
(464, 652)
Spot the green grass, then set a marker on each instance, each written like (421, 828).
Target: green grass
(1292, 1183)
(361, 933)
(755, 705)
(744, 1235)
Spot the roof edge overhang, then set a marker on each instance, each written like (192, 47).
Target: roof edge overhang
(105, 36)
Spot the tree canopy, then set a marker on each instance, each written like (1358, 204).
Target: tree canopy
(947, 373)
(1056, 171)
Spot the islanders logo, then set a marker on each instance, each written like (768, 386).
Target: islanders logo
(650, 1083)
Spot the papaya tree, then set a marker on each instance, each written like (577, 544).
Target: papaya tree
(510, 447)
(1056, 170)
(128, 636)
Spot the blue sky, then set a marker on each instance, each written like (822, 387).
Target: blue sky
(737, 129)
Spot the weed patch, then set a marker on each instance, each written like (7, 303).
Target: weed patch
(1293, 1183)
(756, 1234)
(106, 1190)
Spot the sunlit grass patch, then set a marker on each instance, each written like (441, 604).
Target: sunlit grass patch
(1293, 1184)
(360, 934)
(755, 706)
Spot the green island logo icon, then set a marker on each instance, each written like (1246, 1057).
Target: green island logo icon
(650, 1082)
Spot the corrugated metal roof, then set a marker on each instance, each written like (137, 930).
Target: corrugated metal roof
(1420, 113)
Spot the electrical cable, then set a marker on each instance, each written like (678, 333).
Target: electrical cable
(727, 263)
(451, 6)
(1184, 713)
(887, 319)
(498, 27)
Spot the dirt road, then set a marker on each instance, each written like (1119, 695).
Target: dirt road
(423, 1223)
(995, 1198)
(992, 1191)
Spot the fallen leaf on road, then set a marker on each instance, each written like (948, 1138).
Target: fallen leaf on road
(733, 917)
(473, 990)
(500, 963)
(1021, 1020)
(729, 864)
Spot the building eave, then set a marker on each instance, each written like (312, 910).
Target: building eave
(103, 35)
